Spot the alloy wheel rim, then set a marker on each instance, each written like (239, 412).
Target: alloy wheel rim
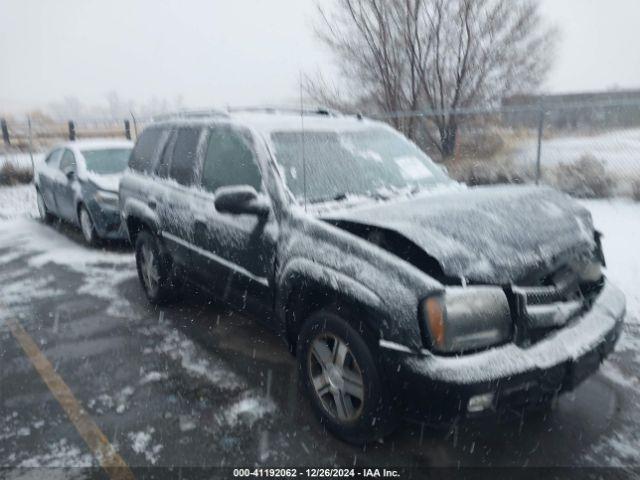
(149, 269)
(87, 226)
(336, 377)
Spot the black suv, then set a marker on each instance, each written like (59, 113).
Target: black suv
(402, 293)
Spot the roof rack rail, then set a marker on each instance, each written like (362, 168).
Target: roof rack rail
(211, 112)
(329, 112)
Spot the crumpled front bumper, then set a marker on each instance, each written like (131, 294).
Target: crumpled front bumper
(442, 385)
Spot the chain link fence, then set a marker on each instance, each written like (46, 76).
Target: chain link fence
(585, 149)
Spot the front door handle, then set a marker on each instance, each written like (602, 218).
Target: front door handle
(152, 203)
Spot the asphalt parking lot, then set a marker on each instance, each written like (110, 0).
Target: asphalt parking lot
(197, 385)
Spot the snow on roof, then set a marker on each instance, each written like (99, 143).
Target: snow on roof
(96, 144)
(268, 123)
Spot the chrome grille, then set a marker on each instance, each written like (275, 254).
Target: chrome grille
(551, 306)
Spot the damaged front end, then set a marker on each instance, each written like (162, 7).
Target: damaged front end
(496, 349)
(525, 311)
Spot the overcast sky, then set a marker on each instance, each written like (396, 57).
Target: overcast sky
(215, 52)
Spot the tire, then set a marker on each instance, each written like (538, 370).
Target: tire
(87, 227)
(154, 270)
(45, 216)
(347, 395)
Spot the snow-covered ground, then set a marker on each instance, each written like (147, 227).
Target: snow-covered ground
(618, 149)
(22, 160)
(619, 221)
(18, 202)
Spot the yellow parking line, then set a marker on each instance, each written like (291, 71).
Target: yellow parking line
(97, 442)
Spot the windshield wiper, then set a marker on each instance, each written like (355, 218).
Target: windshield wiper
(339, 197)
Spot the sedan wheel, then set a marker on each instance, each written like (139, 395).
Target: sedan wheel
(45, 216)
(86, 224)
(336, 376)
(149, 269)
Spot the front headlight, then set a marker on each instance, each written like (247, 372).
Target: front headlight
(467, 318)
(107, 199)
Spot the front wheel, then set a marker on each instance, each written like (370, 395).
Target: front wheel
(154, 271)
(87, 227)
(45, 216)
(341, 378)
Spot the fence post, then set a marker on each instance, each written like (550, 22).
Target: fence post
(5, 132)
(539, 152)
(72, 130)
(33, 167)
(127, 129)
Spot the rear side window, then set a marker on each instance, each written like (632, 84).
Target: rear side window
(183, 162)
(229, 161)
(162, 167)
(143, 154)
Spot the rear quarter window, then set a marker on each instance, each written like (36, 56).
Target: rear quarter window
(144, 154)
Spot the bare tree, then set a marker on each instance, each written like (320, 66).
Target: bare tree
(435, 55)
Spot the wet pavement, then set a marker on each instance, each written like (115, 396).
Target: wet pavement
(195, 384)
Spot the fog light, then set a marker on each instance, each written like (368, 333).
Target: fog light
(478, 403)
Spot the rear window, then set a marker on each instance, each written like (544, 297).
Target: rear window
(106, 161)
(144, 153)
(183, 163)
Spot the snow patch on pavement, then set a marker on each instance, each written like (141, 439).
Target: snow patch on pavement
(247, 411)
(103, 271)
(141, 444)
(198, 363)
(60, 454)
(151, 377)
(620, 449)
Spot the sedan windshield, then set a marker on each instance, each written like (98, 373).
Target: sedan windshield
(106, 161)
(370, 162)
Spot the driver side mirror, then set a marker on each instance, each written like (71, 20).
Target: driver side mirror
(70, 174)
(239, 199)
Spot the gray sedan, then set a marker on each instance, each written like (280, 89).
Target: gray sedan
(78, 182)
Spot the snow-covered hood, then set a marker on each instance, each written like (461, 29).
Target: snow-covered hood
(486, 234)
(109, 182)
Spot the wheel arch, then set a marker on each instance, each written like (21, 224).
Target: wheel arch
(308, 288)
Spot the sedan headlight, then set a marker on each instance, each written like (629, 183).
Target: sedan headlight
(467, 318)
(106, 199)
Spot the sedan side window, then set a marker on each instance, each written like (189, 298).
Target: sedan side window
(229, 161)
(68, 162)
(53, 160)
(183, 164)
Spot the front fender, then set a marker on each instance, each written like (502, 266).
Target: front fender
(140, 211)
(302, 270)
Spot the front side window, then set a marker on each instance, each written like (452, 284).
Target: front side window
(68, 162)
(144, 153)
(229, 161)
(183, 163)
(106, 161)
(53, 160)
(368, 161)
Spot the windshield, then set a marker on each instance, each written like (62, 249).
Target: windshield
(360, 162)
(105, 161)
